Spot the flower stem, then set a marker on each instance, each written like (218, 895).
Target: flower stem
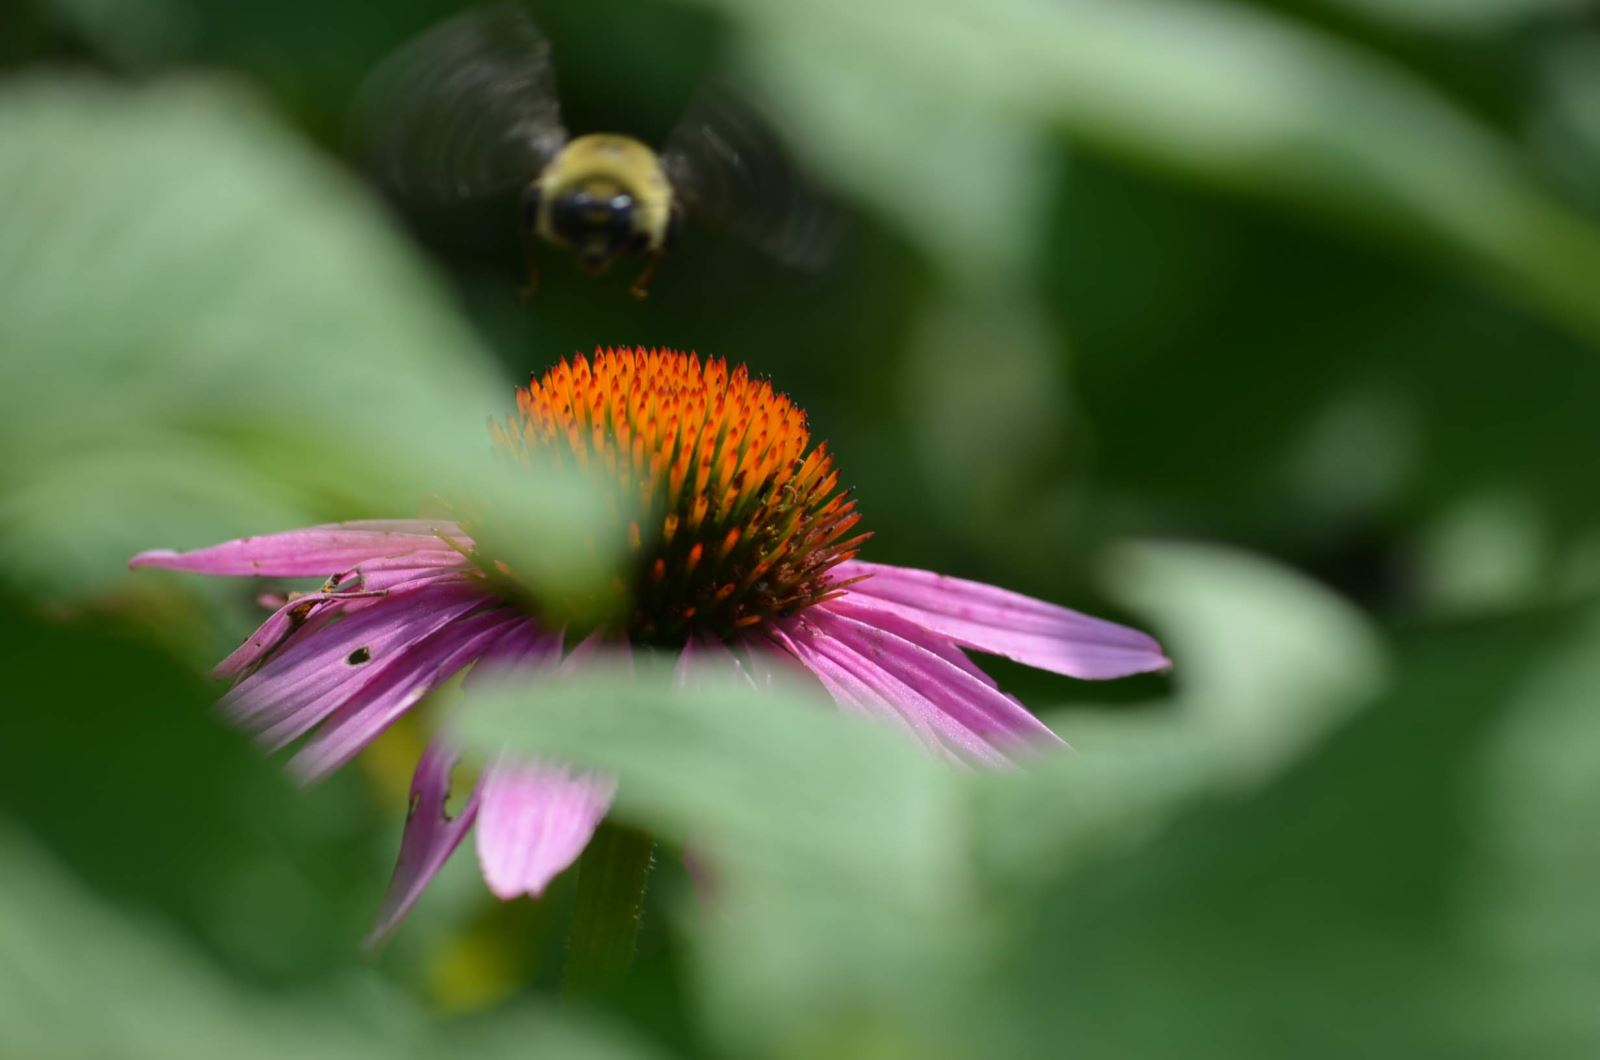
(612, 876)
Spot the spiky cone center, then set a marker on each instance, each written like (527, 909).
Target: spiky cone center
(736, 518)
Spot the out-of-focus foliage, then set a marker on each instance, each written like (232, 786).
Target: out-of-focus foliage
(1356, 904)
(1312, 282)
(62, 952)
(303, 364)
(1212, 89)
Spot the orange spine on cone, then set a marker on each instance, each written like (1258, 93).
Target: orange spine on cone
(740, 519)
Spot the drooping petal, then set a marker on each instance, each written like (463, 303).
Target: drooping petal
(378, 703)
(319, 551)
(431, 836)
(861, 686)
(291, 615)
(309, 678)
(358, 589)
(524, 644)
(534, 820)
(907, 665)
(856, 696)
(1004, 623)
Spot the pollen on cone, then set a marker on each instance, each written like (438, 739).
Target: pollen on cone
(740, 517)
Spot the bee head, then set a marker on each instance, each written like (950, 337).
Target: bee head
(598, 221)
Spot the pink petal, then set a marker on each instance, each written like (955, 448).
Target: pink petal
(306, 681)
(597, 646)
(857, 696)
(706, 660)
(534, 821)
(343, 593)
(292, 615)
(768, 666)
(377, 704)
(909, 667)
(319, 550)
(430, 837)
(1004, 623)
(525, 644)
(393, 572)
(861, 686)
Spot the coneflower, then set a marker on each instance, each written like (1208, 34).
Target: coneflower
(743, 545)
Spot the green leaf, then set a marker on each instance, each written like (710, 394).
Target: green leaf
(209, 332)
(1265, 660)
(1223, 92)
(1266, 664)
(840, 921)
(1534, 867)
(1341, 910)
(1463, 16)
(80, 978)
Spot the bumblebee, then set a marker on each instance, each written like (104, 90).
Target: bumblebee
(469, 111)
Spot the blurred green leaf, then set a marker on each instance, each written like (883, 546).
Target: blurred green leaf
(1227, 93)
(1467, 16)
(995, 170)
(838, 920)
(1337, 911)
(210, 333)
(1529, 881)
(119, 765)
(987, 361)
(863, 894)
(1328, 909)
(1565, 119)
(80, 979)
(1266, 663)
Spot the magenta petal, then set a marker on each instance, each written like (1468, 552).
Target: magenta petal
(401, 685)
(908, 666)
(1005, 623)
(310, 677)
(857, 696)
(534, 821)
(430, 837)
(387, 573)
(524, 644)
(360, 589)
(860, 685)
(708, 660)
(319, 550)
(769, 666)
(291, 615)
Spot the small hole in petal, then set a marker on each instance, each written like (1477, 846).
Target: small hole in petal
(359, 656)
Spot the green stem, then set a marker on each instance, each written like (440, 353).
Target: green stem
(612, 876)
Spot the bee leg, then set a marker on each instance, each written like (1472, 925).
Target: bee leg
(641, 284)
(530, 256)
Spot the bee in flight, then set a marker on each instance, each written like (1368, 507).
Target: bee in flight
(469, 111)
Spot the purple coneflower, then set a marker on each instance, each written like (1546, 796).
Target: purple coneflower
(746, 550)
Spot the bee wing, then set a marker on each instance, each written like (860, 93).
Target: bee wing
(467, 109)
(726, 165)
